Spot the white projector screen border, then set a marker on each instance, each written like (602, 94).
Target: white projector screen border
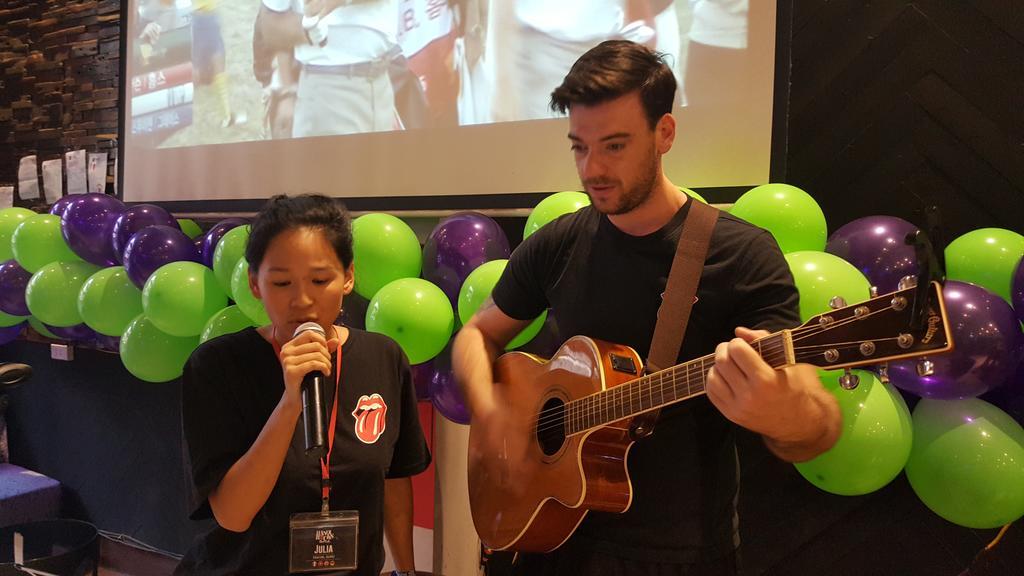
(491, 166)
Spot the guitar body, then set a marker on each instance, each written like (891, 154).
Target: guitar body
(529, 485)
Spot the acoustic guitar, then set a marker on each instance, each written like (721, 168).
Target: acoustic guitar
(570, 420)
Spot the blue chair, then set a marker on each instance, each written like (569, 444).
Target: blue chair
(24, 495)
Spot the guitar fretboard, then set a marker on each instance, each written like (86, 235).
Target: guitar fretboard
(659, 389)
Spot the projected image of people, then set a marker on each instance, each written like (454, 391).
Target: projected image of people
(209, 62)
(543, 36)
(162, 86)
(224, 71)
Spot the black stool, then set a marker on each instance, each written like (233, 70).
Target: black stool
(59, 547)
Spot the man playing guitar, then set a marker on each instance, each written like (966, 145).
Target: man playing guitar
(602, 271)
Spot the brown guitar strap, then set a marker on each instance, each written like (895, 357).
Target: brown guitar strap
(678, 299)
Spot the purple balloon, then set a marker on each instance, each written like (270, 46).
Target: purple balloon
(987, 345)
(112, 343)
(1017, 291)
(10, 333)
(457, 245)
(61, 204)
(13, 280)
(875, 245)
(87, 224)
(134, 219)
(444, 392)
(208, 241)
(76, 333)
(152, 247)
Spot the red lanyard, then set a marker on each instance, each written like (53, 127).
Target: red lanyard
(325, 468)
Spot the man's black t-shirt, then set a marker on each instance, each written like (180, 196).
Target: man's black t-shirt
(601, 282)
(230, 387)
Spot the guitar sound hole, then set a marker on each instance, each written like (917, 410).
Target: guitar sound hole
(551, 426)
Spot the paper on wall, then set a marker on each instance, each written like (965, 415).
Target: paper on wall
(6, 196)
(53, 184)
(98, 172)
(28, 178)
(76, 171)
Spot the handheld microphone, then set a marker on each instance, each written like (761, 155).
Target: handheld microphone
(314, 409)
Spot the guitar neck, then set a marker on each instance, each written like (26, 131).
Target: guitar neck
(662, 388)
(908, 323)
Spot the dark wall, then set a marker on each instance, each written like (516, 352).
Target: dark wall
(114, 442)
(59, 67)
(894, 105)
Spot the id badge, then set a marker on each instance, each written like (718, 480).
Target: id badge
(323, 541)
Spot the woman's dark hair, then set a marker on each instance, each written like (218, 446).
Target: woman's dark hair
(282, 213)
(615, 68)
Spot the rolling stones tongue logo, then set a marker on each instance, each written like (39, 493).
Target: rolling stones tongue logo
(370, 415)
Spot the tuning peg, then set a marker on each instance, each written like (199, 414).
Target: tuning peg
(925, 367)
(874, 291)
(837, 302)
(849, 380)
(907, 282)
(883, 373)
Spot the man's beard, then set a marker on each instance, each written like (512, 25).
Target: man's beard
(635, 195)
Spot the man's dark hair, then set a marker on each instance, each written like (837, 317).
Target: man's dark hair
(282, 213)
(615, 68)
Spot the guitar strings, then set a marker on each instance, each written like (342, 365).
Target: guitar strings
(632, 391)
(770, 352)
(613, 398)
(659, 383)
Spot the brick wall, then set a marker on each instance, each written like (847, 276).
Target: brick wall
(59, 68)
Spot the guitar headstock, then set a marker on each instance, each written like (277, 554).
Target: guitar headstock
(875, 331)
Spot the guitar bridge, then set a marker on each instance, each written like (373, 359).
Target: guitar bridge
(623, 364)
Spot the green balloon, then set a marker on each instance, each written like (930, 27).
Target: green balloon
(108, 301)
(10, 219)
(228, 252)
(987, 257)
(694, 194)
(385, 249)
(820, 276)
(476, 289)
(37, 241)
(181, 296)
(967, 463)
(790, 214)
(227, 321)
(43, 330)
(243, 296)
(875, 440)
(190, 228)
(552, 207)
(7, 320)
(52, 292)
(414, 313)
(153, 355)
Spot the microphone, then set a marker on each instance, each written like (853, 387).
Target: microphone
(314, 409)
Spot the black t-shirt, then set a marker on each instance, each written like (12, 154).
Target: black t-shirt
(601, 282)
(230, 387)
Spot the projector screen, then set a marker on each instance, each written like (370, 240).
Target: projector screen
(444, 100)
